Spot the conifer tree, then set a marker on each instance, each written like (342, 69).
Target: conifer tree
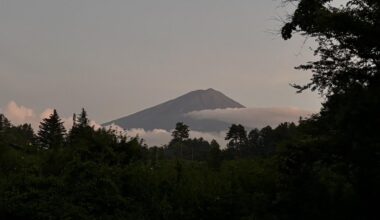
(74, 120)
(52, 132)
(4, 123)
(81, 127)
(82, 121)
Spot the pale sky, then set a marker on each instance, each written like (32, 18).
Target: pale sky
(118, 57)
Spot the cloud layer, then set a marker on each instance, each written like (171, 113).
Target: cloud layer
(159, 137)
(19, 114)
(252, 117)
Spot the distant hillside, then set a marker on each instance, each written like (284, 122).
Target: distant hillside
(167, 114)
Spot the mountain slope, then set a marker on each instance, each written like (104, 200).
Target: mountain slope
(167, 114)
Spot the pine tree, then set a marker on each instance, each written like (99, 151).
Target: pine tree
(52, 132)
(4, 123)
(82, 120)
(81, 127)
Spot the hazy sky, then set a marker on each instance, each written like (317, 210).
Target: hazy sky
(118, 57)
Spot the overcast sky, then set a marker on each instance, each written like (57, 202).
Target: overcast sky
(118, 57)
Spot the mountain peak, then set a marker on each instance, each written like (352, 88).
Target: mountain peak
(204, 91)
(204, 99)
(167, 114)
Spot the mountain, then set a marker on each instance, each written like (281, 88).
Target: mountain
(167, 114)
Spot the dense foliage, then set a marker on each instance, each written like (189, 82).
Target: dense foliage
(336, 163)
(97, 174)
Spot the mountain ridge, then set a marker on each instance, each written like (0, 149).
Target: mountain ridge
(167, 114)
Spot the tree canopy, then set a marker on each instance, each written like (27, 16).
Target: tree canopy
(237, 136)
(181, 132)
(347, 36)
(340, 145)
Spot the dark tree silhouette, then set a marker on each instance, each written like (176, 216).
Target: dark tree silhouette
(51, 131)
(181, 132)
(4, 123)
(81, 129)
(82, 121)
(254, 138)
(347, 36)
(345, 133)
(215, 158)
(237, 136)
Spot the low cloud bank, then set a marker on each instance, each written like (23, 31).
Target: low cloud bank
(159, 137)
(253, 117)
(19, 114)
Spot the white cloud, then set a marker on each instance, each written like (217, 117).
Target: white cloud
(19, 114)
(159, 137)
(67, 122)
(156, 137)
(46, 113)
(95, 125)
(253, 117)
(116, 128)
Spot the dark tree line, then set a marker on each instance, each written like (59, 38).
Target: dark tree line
(241, 145)
(97, 174)
(86, 173)
(258, 142)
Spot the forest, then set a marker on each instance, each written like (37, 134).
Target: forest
(326, 166)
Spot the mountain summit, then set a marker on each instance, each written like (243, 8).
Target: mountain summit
(167, 114)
